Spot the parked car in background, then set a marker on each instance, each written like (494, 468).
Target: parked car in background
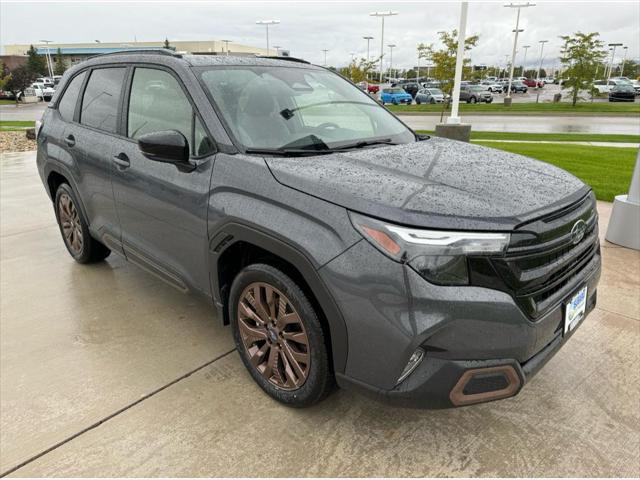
(42, 91)
(46, 81)
(475, 94)
(636, 86)
(373, 88)
(530, 82)
(430, 95)
(623, 92)
(395, 96)
(604, 86)
(492, 86)
(516, 86)
(411, 88)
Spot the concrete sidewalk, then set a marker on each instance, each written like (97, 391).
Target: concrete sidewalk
(105, 371)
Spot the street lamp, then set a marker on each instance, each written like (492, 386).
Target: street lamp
(541, 42)
(277, 47)
(518, 6)
(613, 55)
(624, 60)
(382, 15)
(266, 23)
(391, 47)
(226, 46)
(524, 62)
(48, 57)
(368, 39)
(325, 56)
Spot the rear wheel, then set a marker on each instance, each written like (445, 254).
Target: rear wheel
(75, 229)
(279, 336)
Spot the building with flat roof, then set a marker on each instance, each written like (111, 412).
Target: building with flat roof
(76, 52)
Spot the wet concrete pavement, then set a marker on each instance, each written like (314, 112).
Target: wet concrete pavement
(105, 371)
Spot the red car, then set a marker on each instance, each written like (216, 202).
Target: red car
(373, 88)
(532, 83)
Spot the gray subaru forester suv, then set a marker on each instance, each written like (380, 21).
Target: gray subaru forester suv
(339, 245)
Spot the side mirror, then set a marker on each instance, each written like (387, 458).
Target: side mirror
(169, 146)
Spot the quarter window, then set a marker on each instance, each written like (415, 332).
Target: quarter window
(101, 98)
(67, 105)
(158, 103)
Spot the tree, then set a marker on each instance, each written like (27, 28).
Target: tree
(359, 71)
(631, 69)
(444, 59)
(60, 65)
(581, 56)
(5, 75)
(36, 63)
(532, 73)
(167, 45)
(20, 79)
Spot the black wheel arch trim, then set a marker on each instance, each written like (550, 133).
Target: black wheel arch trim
(233, 232)
(66, 173)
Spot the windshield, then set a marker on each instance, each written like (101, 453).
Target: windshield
(394, 90)
(624, 88)
(477, 89)
(435, 91)
(298, 108)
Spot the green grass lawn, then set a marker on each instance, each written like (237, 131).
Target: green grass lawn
(550, 137)
(497, 108)
(10, 125)
(607, 169)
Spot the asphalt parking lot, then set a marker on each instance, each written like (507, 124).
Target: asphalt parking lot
(105, 371)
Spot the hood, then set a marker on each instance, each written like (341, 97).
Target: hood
(434, 183)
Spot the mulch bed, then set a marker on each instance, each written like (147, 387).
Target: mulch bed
(16, 141)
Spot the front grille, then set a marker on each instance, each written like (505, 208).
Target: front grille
(541, 262)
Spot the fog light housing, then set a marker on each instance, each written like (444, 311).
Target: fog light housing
(412, 364)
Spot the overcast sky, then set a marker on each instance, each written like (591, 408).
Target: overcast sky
(308, 27)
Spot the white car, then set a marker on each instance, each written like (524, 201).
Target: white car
(42, 91)
(492, 87)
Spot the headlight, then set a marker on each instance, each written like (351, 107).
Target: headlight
(439, 256)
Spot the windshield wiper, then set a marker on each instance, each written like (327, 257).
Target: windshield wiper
(365, 143)
(308, 142)
(286, 152)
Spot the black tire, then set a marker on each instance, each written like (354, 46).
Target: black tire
(91, 250)
(417, 101)
(473, 100)
(319, 381)
(432, 101)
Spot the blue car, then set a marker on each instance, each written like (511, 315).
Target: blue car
(395, 95)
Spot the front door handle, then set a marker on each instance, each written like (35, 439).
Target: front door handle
(122, 160)
(70, 140)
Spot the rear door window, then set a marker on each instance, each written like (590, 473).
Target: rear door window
(67, 104)
(101, 99)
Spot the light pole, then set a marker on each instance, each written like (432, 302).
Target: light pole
(48, 57)
(226, 46)
(613, 55)
(266, 23)
(455, 95)
(506, 63)
(524, 62)
(382, 15)
(624, 60)
(518, 6)
(325, 56)
(277, 47)
(391, 47)
(541, 42)
(418, 72)
(368, 39)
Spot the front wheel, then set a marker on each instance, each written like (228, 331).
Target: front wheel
(433, 101)
(279, 336)
(473, 100)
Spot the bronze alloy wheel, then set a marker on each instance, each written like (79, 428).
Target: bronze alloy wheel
(273, 336)
(70, 223)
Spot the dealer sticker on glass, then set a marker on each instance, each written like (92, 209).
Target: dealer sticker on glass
(575, 310)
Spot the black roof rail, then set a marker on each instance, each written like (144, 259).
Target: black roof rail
(148, 51)
(287, 59)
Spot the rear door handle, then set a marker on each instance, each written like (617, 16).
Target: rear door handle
(70, 140)
(122, 160)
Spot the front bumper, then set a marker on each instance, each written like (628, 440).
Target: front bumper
(390, 311)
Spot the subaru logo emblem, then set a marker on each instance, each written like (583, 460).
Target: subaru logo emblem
(577, 232)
